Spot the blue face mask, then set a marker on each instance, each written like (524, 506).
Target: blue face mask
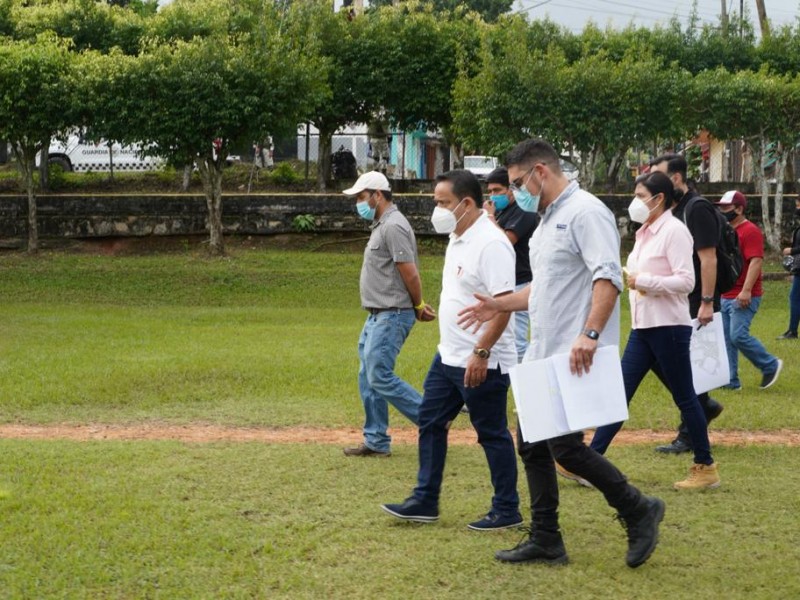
(527, 201)
(365, 211)
(500, 201)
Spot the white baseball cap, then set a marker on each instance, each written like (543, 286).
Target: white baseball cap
(374, 180)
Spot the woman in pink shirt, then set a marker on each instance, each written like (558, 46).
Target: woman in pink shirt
(660, 276)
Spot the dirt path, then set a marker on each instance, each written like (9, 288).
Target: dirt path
(202, 433)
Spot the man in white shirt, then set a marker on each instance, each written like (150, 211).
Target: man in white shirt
(573, 303)
(470, 367)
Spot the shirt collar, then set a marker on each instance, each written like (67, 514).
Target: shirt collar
(656, 225)
(389, 210)
(562, 197)
(469, 233)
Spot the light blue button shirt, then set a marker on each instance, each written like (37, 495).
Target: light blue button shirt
(576, 243)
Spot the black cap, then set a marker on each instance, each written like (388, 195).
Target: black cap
(499, 175)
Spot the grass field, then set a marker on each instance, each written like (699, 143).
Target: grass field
(267, 338)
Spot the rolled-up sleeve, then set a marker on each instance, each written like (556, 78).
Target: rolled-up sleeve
(598, 239)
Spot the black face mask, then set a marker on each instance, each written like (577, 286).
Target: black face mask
(730, 215)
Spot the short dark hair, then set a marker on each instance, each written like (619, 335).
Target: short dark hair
(675, 164)
(533, 151)
(499, 176)
(657, 183)
(464, 184)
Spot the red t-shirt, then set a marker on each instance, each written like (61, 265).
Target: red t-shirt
(751, 243)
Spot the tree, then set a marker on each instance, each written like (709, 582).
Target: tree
(489, 10)
(763, 109)
(354, 74)
(189, 101)
(37, 102)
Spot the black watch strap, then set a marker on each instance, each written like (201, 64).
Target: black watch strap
(592, 334)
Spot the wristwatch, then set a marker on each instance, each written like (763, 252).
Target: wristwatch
(481, 353)
(592, 334)
(707, 299)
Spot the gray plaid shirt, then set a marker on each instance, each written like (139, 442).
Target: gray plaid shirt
(392, 241)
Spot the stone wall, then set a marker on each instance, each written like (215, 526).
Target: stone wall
(73, 216)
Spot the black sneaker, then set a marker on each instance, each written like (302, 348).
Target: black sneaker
(713, 410)
(769, 378)
(642, 528)
(787, 335)
(494, 521)
(544, 547)
(412, 510)
(676, 446)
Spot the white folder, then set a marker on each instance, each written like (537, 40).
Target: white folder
(551, 401)
(710, 368)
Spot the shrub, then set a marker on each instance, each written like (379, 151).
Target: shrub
(283, 173)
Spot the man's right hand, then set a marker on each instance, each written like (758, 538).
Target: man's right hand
(787, 251)
(486, 309)
(705, 314)
(426, 313)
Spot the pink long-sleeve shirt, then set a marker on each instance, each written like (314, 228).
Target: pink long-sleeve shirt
(662, 261)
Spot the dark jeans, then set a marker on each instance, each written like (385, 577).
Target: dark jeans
(667, 347)
(575, 456)
(794, 304)
(444, 395)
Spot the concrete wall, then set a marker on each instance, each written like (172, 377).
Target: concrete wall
(72, 216)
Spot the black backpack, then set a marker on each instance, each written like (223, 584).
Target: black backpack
(729, 256)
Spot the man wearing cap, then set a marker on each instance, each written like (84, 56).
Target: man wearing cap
(518, 226)
(391, 293)
(740, 304)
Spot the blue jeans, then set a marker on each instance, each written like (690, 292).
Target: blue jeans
(667, 347)
(521, 326)
(736, 324)
(794, 304)
(444, 396)
(381, 339)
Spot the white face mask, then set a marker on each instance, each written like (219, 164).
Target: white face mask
(444, 221)
(638, 211)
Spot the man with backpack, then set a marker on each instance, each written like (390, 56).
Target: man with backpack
(701, 217)
(740, 303)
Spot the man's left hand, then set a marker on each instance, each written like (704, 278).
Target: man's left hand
(744, 299)
(582, 355)
(476, 371)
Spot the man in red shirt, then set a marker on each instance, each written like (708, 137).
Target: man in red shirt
(740, 304)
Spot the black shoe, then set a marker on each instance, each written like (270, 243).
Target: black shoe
(545, 547)
(642, 528)
(676, 446)
(787, 335)
(713, 410)
(412, 510)
(769, 378)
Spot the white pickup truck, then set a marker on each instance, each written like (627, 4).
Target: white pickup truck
(81, 155)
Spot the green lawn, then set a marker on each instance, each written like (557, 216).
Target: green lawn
(266, 337)
(171, 520)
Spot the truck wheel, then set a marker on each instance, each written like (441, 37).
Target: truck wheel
(61, 162)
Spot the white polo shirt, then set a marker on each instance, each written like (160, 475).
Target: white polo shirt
(481, 261)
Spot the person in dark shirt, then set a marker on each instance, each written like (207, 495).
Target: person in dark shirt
(704, 300)
(518, 226)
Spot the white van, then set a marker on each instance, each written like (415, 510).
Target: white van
(480, 166)
(82, 155)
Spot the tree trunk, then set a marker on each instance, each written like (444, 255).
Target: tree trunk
(111, 161)
(187, 178)
(324, 151)
(612, 173)
(26, 162)
(774, 240)
(757, 147)
(211, 174)
(44, 166)
(588, 163)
